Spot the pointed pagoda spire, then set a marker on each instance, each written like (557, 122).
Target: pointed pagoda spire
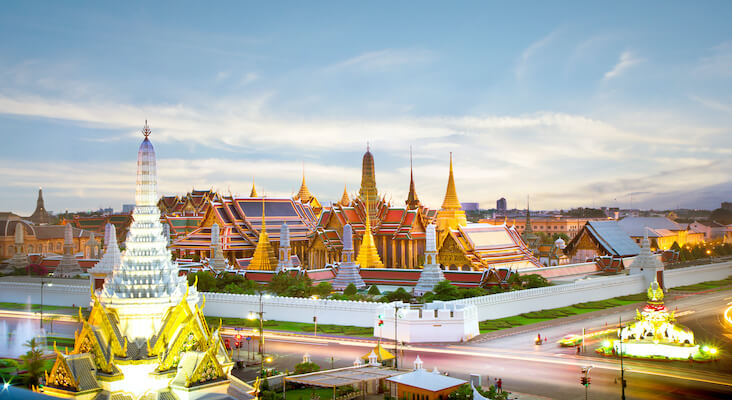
(253, 193)
(368, 255)
(412, 199)
(40, 215)
(368, 192)
(303, 194)
(451, 201)
(529, 237)
(345, 200)
(264, 257)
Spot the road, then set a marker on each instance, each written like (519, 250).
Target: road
(546, 370)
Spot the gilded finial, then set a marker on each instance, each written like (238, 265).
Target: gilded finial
(146, 130)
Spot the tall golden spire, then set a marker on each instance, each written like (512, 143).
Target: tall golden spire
(451, 201)
(451, 215)
(368, 256)
(368, 192)
(264, 257)
(412, 199)
(345, 200)
(253, 193)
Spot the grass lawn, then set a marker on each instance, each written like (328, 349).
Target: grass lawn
(700, 287)
(307, 394)
(344, 330)
(546, 315)
(34, 307)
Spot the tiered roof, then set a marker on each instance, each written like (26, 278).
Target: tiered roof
(240, 222)
(494, 246)
(195, 202)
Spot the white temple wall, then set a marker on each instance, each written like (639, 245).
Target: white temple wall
(293, 309)
(701, 273)
(58, 294)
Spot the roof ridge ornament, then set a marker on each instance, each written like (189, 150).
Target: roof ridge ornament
(146, 130)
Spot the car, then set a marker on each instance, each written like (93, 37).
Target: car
(571, 341)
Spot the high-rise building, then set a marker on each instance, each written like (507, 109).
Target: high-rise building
(501, 204)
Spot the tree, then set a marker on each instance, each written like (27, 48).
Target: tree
(397, 295)
(323, 289)
(533, 281)
(350, 290)
(721, 215)
(445, 291)
(306, 367)
(464, 392)
(560, 235)
(206, 281)
(374, 290)
(32, 363)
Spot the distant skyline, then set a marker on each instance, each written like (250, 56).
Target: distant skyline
(573, 104)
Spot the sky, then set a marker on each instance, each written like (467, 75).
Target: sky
(572, 104)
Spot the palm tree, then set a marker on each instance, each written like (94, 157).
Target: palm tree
(32, 363)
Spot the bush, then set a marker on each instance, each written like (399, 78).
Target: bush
(374, 290)
(350, 290)
(397, 295)
(306, 368)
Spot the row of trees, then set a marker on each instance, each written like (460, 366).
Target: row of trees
(699, 251)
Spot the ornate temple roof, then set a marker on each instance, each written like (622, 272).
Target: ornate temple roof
(253, 192)
(345, 200)
(40, 215)
(264, 257)
(412, 199)
(497, 246)
(240, 222)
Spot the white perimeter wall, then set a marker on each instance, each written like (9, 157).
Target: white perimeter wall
(691, 275)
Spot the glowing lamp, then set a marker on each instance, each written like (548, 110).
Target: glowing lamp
(606, 343)
(268, 359)
(251, 316)
(314, 297)
(705, 349)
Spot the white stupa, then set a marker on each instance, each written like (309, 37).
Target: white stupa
(146, 282)
(431, 274)
(348, 270)
(285, 259)
(110, 261)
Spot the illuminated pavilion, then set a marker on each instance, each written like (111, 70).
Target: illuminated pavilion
(146, 336)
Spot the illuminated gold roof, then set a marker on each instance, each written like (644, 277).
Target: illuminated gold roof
(253, 193)
(451, 201)
(264, 257)
(304, 194)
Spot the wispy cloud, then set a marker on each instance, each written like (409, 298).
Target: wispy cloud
(523, 63)
(627, 59)
(712, 104)
(717, 64)
(384, 59)
(485, 148)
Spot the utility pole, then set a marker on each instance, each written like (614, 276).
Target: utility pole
(622, 370)
(396, 338)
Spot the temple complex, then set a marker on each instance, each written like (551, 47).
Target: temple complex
(146, 336)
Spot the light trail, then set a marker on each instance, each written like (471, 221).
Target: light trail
(728, 315)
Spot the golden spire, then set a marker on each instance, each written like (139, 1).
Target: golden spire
(412, 199)
(451, 199)
(264, 258)
(345, 201)
(254, 190)
(304, 194)
(451, 215)
(368, 192)
(368, 256)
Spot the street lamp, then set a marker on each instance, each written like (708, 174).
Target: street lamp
(396, 337)
(261, 332)
(43, 283)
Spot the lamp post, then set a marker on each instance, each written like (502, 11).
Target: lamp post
(315, 316)
(261, 332)
(622, 370)
(43, 283)
(396, 337)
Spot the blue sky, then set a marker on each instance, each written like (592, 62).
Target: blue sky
(574, 104)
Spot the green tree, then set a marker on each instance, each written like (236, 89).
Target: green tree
(397, 295)
(206, 281)
(533, 281)
(32, 363)
(323, 289)
(374, 290)
(445, 291)
(464, 392)
(306, 367)
(350, 290)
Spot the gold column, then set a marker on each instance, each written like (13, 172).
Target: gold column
(401, 251)
(393, 253)
(410, 261)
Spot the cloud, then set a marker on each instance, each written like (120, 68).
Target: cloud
(712, 104)
(718, 64)
(523, 64)
(547, 154)
(381, 60)
(626, 60)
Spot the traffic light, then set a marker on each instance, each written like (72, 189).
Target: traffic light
(238, 337)
(237, 344)
(226, 342)
(584, 381)
(381, 320)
